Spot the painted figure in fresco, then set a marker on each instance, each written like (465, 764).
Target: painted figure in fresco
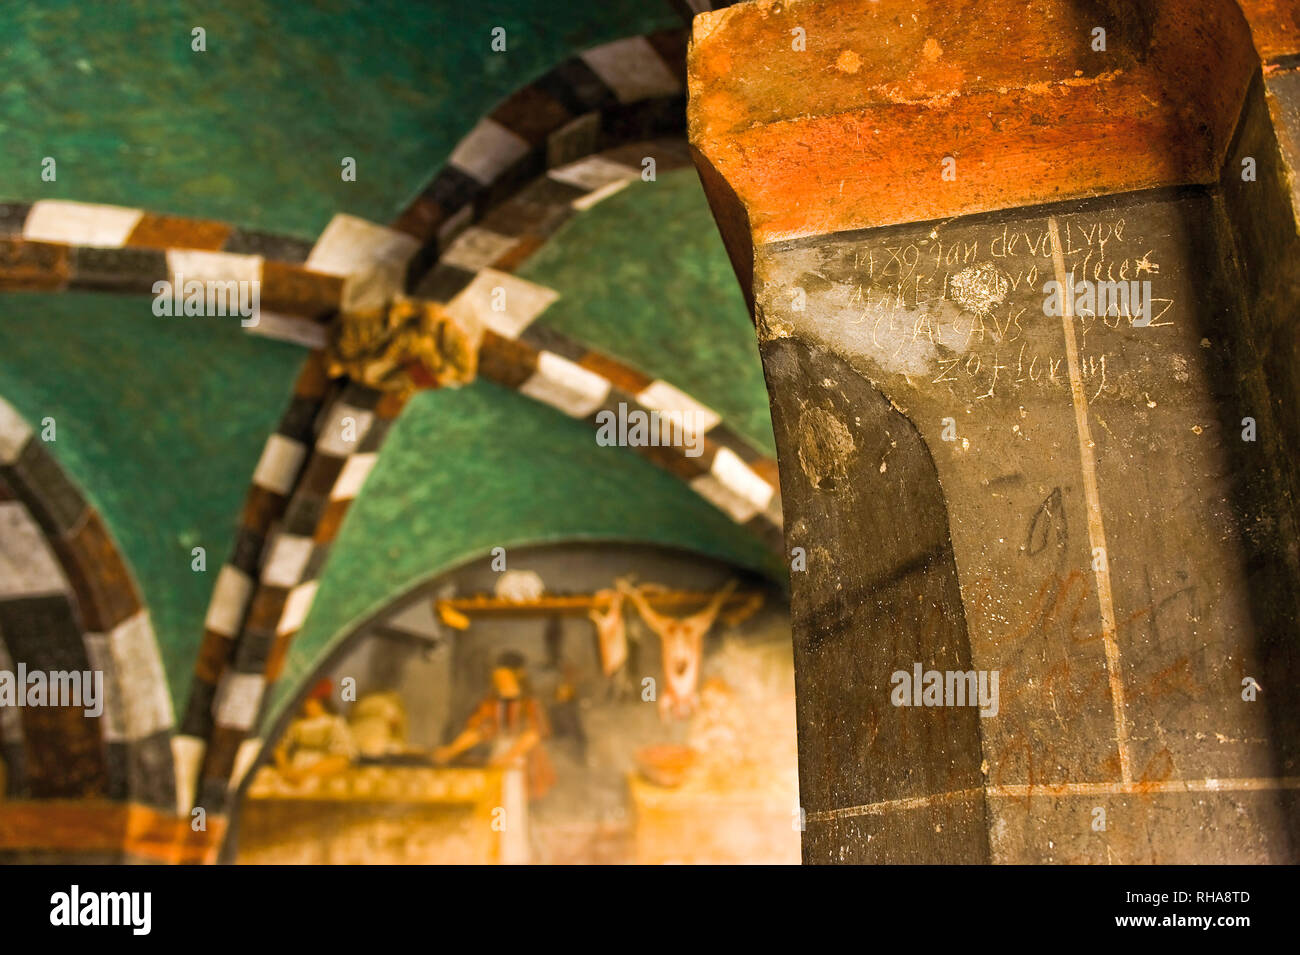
(683, 643)
(378, 724)
(566, 713)
(513, 724)
(611, 631)
(317, 743)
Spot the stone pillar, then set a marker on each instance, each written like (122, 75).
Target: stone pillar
(1022, 322)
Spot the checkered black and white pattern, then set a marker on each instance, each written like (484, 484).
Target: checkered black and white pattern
(55, 245)
(68, 602)
(623, 91)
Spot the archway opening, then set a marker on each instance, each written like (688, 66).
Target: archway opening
(402, 746)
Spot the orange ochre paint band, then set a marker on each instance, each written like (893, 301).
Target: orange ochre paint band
(89, 826)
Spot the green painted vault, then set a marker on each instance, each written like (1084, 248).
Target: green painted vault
(253, 131)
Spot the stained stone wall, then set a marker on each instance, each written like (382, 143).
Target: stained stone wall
(1066, 500)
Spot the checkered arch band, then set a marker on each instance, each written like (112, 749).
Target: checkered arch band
(68, 603)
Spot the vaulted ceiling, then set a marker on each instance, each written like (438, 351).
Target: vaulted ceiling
(162, 421)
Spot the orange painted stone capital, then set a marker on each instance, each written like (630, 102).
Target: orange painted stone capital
(819, 116)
